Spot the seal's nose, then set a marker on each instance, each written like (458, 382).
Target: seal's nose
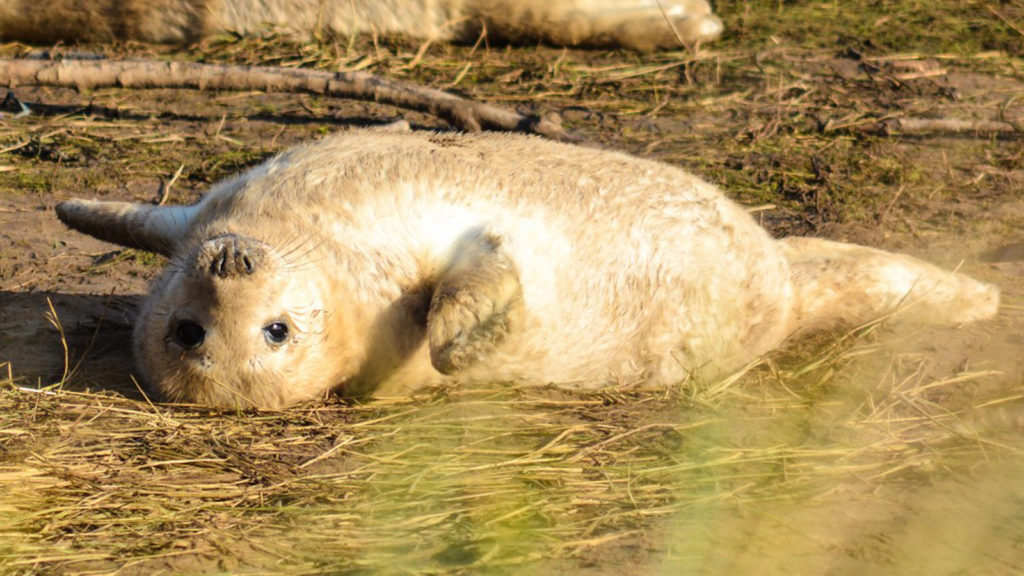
(230, 256)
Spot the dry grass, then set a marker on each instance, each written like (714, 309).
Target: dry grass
(895, 454)
(495, 479)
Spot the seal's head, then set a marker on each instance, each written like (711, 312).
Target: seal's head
(235, 324)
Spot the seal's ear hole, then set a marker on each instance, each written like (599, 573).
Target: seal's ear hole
(276, 332)
(189, 335)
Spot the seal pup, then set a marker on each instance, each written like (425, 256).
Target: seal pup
(634, 24)
(377, 262)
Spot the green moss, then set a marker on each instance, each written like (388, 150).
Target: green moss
(891, 25)
(228, 162)
(25, 179)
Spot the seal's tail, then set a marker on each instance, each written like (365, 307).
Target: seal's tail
(844, 284)
(144, 226)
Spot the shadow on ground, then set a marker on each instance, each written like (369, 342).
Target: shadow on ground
(81, 340)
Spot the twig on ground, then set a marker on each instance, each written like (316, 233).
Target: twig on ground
(1006, 21)
(949, 125)
(927, 126)
(465, 114)
(165, 186)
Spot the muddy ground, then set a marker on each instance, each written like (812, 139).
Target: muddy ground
(799, 122)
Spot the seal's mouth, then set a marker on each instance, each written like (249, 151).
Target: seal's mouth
(194, 384)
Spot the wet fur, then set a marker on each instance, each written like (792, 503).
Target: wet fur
(409, 259)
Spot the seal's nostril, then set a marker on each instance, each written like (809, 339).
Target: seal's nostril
(218, 265)
(189, 335)
(230, 256)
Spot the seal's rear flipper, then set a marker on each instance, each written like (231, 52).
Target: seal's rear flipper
(477, 299)
(143, 226)
(844, 284)
(635, 24)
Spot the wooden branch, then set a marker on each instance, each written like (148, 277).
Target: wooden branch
(950, 125)
(933, 126)
(465, 114)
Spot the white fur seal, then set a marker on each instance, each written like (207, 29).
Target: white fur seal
(375, 262)
(635, 24)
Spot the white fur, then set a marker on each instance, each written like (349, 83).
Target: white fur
(629, 270)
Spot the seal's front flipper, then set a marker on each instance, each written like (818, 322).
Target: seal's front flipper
(143, 226)
(477, 300)
(845, 284)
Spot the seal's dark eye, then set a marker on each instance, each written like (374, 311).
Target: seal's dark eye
(276, 332)
(189, 335)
